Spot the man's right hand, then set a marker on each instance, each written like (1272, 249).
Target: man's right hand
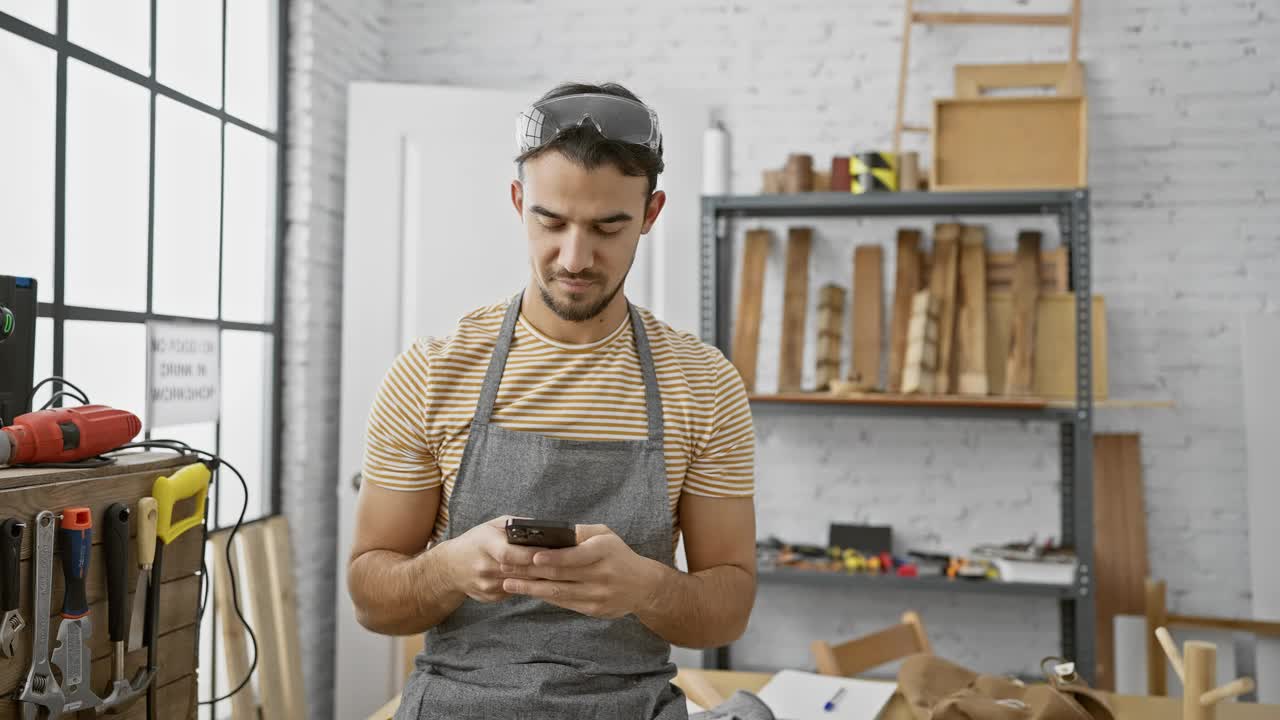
(481, 558)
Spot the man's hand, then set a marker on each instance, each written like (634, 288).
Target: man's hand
(601, 577)
(476, 559)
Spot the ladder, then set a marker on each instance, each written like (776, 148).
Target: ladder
(1070, 19)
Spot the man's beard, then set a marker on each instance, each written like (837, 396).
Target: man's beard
(574, 313)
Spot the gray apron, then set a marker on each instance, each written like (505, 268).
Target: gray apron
(522, 657)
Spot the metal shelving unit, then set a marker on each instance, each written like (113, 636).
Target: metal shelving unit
(1071, 207)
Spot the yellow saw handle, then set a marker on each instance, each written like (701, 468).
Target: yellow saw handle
(169, 490)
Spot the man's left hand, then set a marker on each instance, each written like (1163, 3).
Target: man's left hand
(601, 577)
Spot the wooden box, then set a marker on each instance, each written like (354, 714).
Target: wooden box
(25, 492)
(1009, 143)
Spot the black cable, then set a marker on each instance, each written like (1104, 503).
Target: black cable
(58, 379)
(214, 462)
(61, 394)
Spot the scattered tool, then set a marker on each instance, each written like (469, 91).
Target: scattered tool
(116, 531)
(66, 434)
(73, 656)
(11, 593)
(40, 689)
(189, 481)
(146, 555)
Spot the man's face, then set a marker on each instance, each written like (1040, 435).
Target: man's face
(583, 227)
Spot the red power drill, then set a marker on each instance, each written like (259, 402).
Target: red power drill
(64, 435)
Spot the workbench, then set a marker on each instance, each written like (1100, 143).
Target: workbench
(25, 492)
(1127, 707)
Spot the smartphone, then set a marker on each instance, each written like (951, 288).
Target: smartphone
(541, 533)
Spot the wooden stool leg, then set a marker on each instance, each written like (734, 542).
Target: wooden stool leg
(1200, 663)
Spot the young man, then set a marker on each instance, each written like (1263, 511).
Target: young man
(565, 403)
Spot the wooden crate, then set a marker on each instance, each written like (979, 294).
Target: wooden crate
(1009, 143)
(25, 492)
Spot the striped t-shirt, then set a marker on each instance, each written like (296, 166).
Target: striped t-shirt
(421, 418)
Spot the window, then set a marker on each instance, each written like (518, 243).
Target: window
(142, 180)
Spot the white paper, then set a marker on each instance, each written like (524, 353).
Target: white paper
(715, 161)
(182, 373)
(795, 695)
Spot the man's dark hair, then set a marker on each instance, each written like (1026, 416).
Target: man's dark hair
(585, 146)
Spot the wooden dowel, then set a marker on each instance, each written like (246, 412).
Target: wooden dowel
(1257, 627)
(1239, 686)
(962, 18)
(1171, 652)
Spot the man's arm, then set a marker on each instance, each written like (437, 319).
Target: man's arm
(603, 577)
(400, 589)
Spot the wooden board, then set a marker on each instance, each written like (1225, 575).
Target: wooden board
(794, 305)
(1022, 336)
(235, 644)
(907, 281)
(1119, 541)
(1054, 373)
(746, 326)
(868, 314)
(280, 567)
(1054, 271)
(971, 336)
(920, 362)
(942, 288)
(127, 463)
(1007, 143)
(974, 81)
(830, 332)
(264, 591)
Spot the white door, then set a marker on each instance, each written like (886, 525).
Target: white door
(429, 235)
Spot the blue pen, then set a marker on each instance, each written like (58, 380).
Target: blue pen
(831, 704)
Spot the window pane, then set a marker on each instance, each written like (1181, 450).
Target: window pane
(41, 13)
(44, 356)
(186, 216)
(108, 360)
(249, 227)
(246, 422)
(189, 47)
(251, 61)
(28, 80)
(201, 436)
(119, 30)
(108, 124)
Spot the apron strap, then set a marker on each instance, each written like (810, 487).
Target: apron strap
(652, 398)
(498, 363)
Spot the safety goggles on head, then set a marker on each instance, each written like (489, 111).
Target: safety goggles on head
(615, 118)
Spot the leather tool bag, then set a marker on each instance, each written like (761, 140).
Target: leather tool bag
(939, 690)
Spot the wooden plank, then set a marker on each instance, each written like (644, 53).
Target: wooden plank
(746, 327)
(1119, 541)
(280, 569)
(922, 345)
(907, 282)
(1054, 271)
(256, 584)
(1022, 336)
(903, 400)
(1157, 617)
(972, 18)
(795, 304)
(1054, 373)
(235, 649)
(830, 331)
(974, 80)
(178, 603)
(868, 314)
(942, 288)
(1257, 627)
(125, 463)
(971, 338)
(1009, 143)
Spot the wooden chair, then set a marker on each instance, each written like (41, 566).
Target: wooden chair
(1158, 617)
(857, 656)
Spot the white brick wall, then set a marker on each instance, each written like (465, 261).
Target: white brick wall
(333, 43)
(1183, 101)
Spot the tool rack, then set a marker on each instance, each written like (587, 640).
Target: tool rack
(1071, 207)
(25, 492)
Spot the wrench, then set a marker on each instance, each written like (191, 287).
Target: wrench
(40, 688)
(72, 655)
(11, 593)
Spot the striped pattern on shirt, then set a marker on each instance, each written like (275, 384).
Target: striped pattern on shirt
(420, 420)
